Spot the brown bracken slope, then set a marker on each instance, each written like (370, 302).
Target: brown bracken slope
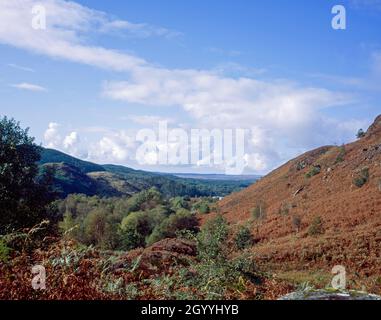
(350, 232)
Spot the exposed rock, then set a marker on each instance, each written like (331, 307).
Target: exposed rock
(329, 295)
(375, 128)
(175, 246)
(298, 191)
(159, 257)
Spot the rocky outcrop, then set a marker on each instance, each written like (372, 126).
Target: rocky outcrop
(329, 295)
(375, 128)
(158, 258)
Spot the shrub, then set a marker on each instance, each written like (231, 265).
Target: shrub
(95, 226)
(103, 228)
(360, 134)
(135, 228)
(341, 155)
(316, 227)
(144, 200)
(301, 165)
(362, 178)
(243, 238)
(204, 208)
(259, 212)
(284, 210)
(315, 170)
(211, 240)
(168, 228)
(69, 228)
(201, 207)
(179, 203)
(296, 222)
(216, 273)
(4, 251)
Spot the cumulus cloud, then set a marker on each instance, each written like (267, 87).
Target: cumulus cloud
(110, 147)
(71, 140)
(56, 137)
(221, 99)
(64, 36)
(280, 111)
(52, 136)
(29, 87)
(115, 147)
(284, 116)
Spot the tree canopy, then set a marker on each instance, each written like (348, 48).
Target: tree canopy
(23, 197)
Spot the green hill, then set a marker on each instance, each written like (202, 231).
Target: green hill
(54, 156)
(73, 175)
(69, 179)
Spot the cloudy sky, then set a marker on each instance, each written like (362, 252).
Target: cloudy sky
(102, 70)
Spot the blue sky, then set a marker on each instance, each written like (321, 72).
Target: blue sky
(104, 69)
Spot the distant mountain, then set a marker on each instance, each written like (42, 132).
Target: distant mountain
(220, 177)
(70, 179)
(54, 156)
(73, 175)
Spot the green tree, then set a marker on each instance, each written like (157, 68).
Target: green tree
(23, 197)
(360, 134)
(204, 208)
(135, 228)
(100, 229)
(243, 238)
(182, 220)
(211, 241)
(179, 203)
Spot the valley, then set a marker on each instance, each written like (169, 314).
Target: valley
(131, 234)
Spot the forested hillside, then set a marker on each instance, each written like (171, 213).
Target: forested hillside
(72, 175)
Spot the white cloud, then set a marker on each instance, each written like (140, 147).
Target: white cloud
(256, 162)
(52, 136)
(65, 34)
(22, 68)
(281, 114)
(29, 87)
(150, 120)
(71, 140)
(284, 115)
(56, 138)
(110, 147)
(115, 147)
(142, 30)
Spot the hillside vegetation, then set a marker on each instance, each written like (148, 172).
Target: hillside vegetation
(118, 234)
(72, 176)
(319, 210)
(286, 231)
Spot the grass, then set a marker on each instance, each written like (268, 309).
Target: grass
(317, 279)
